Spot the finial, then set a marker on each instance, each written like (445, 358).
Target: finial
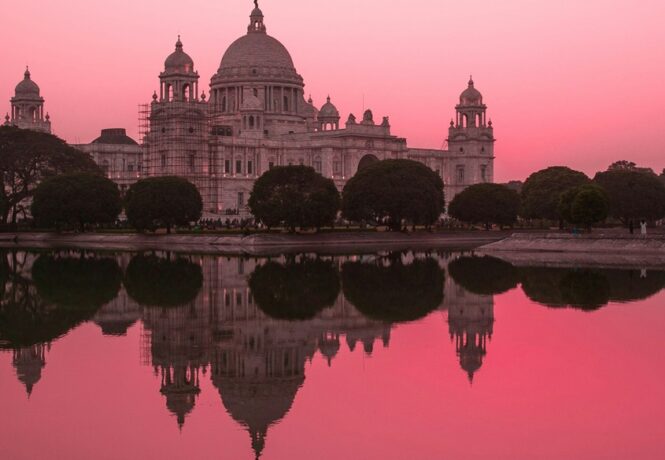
(48, 117)
(178, 44)
(203, 96)
(470, 80)
(154, 95)
(328, 97)
(256, 3)
(27, 72)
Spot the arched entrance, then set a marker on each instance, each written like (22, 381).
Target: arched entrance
(366, 161)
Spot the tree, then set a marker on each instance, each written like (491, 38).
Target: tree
(393, 191)
(625, 165)
(162, 202)
(295, 290)
(633, 194)
(543, 189)
(582, 289)
(484, 275)
(76, 199)
(28, 157)
(393, 291)
(294, 196)
(154, 281)
(486, 204)
(584, 205)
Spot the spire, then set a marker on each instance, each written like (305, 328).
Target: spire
(256, 19)
(471, 81)
(26, 75)
(178, 44)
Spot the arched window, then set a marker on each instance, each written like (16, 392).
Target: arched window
(251, 122)
(169, 93)
(185, 93)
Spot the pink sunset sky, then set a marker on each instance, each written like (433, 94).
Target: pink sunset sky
(570, 83)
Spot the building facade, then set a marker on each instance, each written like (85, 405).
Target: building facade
(256, 117)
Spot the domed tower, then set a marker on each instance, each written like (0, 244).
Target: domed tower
(471, 142)
(28, 107)
(175, 143)
(179, 81)
(256, 90)
(328, 116)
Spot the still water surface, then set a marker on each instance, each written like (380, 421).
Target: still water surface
(393, 356)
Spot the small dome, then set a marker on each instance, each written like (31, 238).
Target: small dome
(471, 96)
(328, 110)
(179, 61)
(27, 87)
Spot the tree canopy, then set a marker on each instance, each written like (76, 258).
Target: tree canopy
(76, 199)
(28, 157)
(164, 201)
(392, 291)
(486, 204)
(295, 290)
(584, 205)
(154, 281)
(392, 191)
(484, 275)
(583, 289)
(542, 190)
(294, 196)
(633, 194)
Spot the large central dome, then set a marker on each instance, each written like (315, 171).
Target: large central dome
(257, 56)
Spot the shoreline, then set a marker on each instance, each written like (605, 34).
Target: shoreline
(262, 244)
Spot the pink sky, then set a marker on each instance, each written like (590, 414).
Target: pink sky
(572, 83)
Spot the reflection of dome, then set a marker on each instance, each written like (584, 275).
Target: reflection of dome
(29, 363)
(179, 61)
(329, 347)
(471, 96)
(259, 404)
(181, 403)
(27, 87)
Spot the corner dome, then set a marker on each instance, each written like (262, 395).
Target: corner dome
(179, 61)
(328, 110)
(471, 96)
(27, 87)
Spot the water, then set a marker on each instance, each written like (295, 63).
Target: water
(392, 356)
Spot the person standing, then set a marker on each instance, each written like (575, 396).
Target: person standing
(643, 228)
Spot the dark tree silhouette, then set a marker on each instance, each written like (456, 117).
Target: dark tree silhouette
(392, 191)
(76, 200)
(164, 201)
(542, 191)
(394, 291)
(584, 205)
(154, 281)
(295, 290)
(486, 204)
(294, 196)
(633, 194)
(28, 157)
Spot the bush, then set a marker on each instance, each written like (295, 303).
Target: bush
(294, 196)
(162, 202)
(76, 200)
(393, 191)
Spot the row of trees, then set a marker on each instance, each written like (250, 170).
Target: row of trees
(388, 192)
(560, 194)
(80, 199)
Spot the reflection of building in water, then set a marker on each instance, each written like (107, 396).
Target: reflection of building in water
(471, 323)
(117, 317)
(29, 362)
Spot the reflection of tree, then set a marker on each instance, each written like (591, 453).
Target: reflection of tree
(394, 291)
(66, 291)
(588, 289)
(484, 275)
(159, 282)
(295, 290)
(77, 283)
(632, 285)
